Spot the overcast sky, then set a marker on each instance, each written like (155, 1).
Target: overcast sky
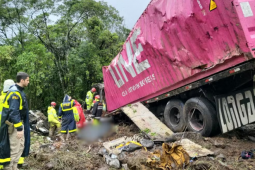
(129, 9)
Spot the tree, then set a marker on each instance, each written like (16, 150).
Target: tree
(61, 44)
(6, 61)
(70, 30)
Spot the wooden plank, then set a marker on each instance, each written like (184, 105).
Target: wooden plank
(147, 121)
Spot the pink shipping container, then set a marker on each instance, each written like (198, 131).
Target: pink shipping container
(177, 42)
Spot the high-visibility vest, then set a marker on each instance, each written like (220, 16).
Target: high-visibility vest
(76, 114)
(1, 105)
(52, 115)
(89, 98)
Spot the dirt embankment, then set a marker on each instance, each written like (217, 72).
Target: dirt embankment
(77, 155)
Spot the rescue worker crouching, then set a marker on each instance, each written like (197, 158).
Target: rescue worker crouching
(15, 129)
(53, 120)
(97, 110)
(89, 99)
(68, 122)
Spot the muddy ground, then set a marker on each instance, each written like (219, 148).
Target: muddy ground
(77, 155)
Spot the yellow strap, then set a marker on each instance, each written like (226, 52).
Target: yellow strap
(63, 131)
(18, 124)
(72, 130)
(5, 160)
(21, 160)
(6, 105)
(134, 142)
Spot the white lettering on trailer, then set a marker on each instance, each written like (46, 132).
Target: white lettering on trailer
(246, 8)
(231, 100)
(140, 84)
(241, 109)
(132, 65)
(236, 110)
(222, 123)
(250, 107)
(227, 114)
(199, 3)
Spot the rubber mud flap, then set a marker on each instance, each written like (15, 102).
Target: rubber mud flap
(173, 115)
(204, 117)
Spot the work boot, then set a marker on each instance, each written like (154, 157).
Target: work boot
(23, 166)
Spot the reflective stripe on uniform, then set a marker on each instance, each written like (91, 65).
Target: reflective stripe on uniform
(72, 130)
(66, 109)
(6, 105)
(18, 124)
(5, 160)
(63, 131)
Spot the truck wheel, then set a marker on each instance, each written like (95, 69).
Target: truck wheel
(160, 113)
(173, 115)
(204, 118)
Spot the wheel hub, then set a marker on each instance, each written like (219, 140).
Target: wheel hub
(175, 116)
(196, 121)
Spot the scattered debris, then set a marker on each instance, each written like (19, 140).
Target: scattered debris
(38, 122)
(193, 149)
(251, 138)
(130, 146)
(49, 166)
(115, 163)
(147, 143)
(189, 135)
(221, 157)
(102, 151)
(125, 166)
(219, 144)
(89, 149)
(247, 155)
(75, 154)
(173, 156)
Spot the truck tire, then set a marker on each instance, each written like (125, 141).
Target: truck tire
(160, 112)
(204, 119)
(173, 115)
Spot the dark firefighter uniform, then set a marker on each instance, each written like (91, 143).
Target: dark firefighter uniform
(15, 110)
(97, 109)
(66, 112)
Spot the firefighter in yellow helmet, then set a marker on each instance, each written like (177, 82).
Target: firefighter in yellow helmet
(89, 99)
(53, 120)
